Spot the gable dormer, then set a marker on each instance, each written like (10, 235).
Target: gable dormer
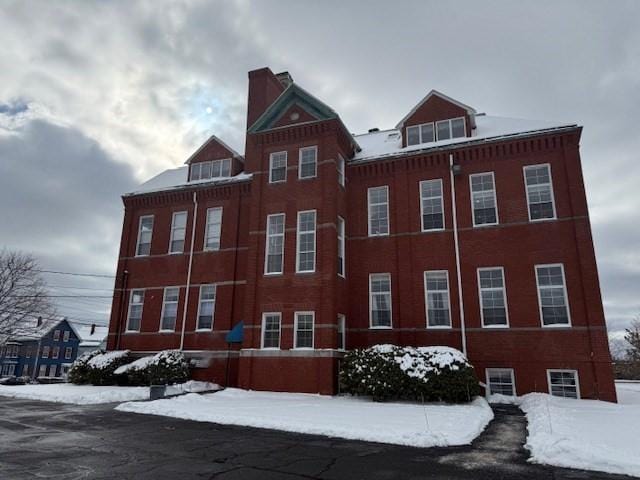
(436, 117)
(214, 159)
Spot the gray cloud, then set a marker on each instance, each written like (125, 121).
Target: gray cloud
(135, 79)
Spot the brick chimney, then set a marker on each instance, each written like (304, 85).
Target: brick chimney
(93, 328)
(39, 321)
(264, 88)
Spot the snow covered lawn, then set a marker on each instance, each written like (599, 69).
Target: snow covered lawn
(91, 395)
(585, 434)
(346, 417)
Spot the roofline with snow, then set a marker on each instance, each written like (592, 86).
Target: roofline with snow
(225, 181)
(209, 140)
(470, 110)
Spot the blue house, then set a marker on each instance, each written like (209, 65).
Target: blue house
(46, 349)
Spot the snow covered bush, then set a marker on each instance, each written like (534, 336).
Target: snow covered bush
(102, 367)
(79, 370)
(165, 368)
(410, 373)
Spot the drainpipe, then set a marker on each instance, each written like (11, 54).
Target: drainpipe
(463, 331)
(186, 296)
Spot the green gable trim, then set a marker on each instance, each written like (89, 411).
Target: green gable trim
(293, 95)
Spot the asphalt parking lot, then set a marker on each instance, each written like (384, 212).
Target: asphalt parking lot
(55, 441)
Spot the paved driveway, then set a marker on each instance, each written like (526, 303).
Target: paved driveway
(45, 440)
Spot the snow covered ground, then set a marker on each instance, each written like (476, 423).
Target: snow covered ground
(345, 417)
(91, 395)
(585, 434)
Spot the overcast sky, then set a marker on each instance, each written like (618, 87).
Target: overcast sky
(96, 97)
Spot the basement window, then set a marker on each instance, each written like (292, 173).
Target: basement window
(563, 383)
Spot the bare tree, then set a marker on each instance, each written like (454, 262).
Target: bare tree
(23, 294)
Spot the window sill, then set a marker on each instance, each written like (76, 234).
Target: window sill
(274, 274)
(484, 225)
(439, 327)
(166, 331)
(175, 253)
(305, 272)
(380, 328)
(270, 348)
(307, 349)
(211, 250)
(433, 230)
(557, 325)
(204, 330)
(496, 327)
(538, 220)
(375, 235)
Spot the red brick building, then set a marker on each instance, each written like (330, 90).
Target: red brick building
(453, 228)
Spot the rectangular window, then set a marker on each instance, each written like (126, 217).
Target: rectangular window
(436, 286)
(493, 297)
(65, 336)
(278, 167)
(45, 351)
(342, 329)
(501, 381)
(303, 330)
(564, 383)
(68, 353)
(42, 371)
(169, 309)
(274, 245)
(178, 232)
(341, 170)
(271, 330)
(145, 230)
(134, 317)
(213, 229)
(211, 169)
(25, 370)
(539, 191)
(306, 242)
(378, 200)
(341, 247)
(55, 353)
(418, 134)
(56, 335)
(552, 295)
(431, 205)
(206, 307)
(453, 128)
(380, 300)
(483, 199)
(308, 162)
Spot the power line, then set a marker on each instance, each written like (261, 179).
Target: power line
(59, 296)
(76, 274)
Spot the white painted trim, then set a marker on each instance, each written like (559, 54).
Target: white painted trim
(266, 243)
(471, 111)
(501, 369)
(177, 302)
(420, 183)
(127, 329)
(369, 205)
(526, 190)
(286, 161)
(449, 121)
(564, 370)
(262, 331)
(504, 296)
(213, 314)
(209, 140)
(295, 330)
(315, 240)
(426, 301)
(173, 231)
(206, 230)
(495, 200)
(565, 291)
(371, 327)
(420, 139)
(140, 233)
(311, 147)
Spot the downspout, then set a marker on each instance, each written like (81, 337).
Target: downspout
(123, 299)
(463, 331)
(186, 296)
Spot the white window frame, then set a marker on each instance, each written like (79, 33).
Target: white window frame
(342, 244)
(55, 353)
(299, 234)
(68, 353)
(271, 158)
(295, 330)
(495, 200)
(449, 122)
(526, 190)
(164, 305)
(564, 370)
(315, 171)
(501, 370)
(200, 301)
(426, 300)
(341, 171)
(66, 335)
(222, 162)
(262, 330)
(217, 233)
(56, 335)
(504, 296)
(342, 330)
(140, 220)
(369, 205)
(174, 230)
(128, 329)
(565, 291)
(371, 294)
(266, 243)
(423, 198)
(420, 139)
(46, 351)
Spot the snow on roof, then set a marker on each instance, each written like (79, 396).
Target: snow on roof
(177, 178)
(389, 142)
(28, 329)
(210, 139)
(88, 339)
(469, 109)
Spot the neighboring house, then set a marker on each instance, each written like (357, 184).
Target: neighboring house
(44, 349)
(453, 228)
(92, 337)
